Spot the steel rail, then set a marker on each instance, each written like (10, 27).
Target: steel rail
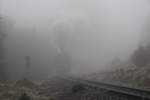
(141, 93)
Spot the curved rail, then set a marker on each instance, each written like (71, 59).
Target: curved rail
(139, 93)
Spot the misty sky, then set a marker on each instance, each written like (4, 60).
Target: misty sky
(97, 30)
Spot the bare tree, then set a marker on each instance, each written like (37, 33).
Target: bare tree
(62, 59)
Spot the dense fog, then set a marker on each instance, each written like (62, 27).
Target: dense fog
(88, 33)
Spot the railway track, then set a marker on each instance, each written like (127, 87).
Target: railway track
(119, 92)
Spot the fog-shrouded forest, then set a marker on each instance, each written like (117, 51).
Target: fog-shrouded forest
(44, 38)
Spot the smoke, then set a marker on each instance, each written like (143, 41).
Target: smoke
(96, 31)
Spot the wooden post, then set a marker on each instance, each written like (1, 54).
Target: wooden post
(28, 66)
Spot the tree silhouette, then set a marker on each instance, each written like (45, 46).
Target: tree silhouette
(141, 57)
(2, 61)
(62, 58)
